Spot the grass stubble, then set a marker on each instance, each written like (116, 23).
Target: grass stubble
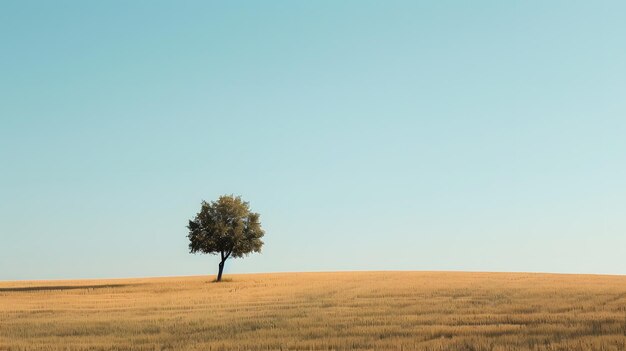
(319, 311)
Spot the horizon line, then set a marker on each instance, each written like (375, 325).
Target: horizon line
(316, 272)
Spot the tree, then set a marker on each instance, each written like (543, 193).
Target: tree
(227, 227)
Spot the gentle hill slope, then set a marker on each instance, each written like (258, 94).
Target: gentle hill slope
(319, 311)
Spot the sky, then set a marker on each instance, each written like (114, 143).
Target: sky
(369, 135)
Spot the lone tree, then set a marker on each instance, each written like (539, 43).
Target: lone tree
(227, 227)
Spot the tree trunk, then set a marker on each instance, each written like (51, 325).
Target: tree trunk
(219, 274)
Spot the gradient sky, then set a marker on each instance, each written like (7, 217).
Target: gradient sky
(370, 135)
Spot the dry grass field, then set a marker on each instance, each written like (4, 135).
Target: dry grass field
(319, 311)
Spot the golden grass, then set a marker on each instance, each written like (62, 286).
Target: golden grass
(319, 311)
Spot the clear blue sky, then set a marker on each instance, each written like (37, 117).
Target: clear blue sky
(370, 135)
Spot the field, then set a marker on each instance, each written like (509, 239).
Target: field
(319, 311)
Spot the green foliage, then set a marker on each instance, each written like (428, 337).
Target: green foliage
(227, 227)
